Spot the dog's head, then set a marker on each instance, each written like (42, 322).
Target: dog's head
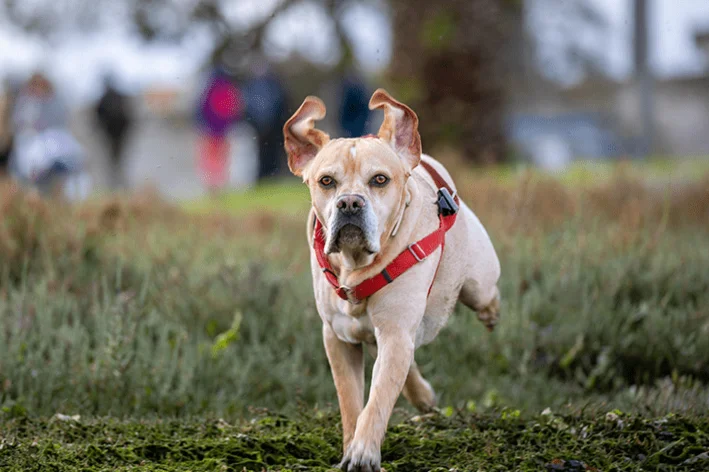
(357, 185)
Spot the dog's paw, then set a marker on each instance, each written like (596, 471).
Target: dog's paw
(361, 457)
(489, 319)
(490, 315)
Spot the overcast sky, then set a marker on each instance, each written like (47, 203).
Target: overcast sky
(77, 62)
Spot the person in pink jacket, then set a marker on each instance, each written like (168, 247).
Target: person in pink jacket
(218, 110)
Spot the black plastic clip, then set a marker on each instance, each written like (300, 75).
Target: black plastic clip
(446, 203)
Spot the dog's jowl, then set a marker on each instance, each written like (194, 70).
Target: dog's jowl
(392, 250)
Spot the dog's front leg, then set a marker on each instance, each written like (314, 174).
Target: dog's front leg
(347, 366)
(395, 345)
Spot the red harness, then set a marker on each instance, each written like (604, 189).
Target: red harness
(415, 253)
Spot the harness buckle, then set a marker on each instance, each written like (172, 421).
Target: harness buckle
(348, 294)
(446, 203)
(416, 256)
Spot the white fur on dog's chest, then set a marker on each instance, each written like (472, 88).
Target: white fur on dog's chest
(353, 330)
(352, 323)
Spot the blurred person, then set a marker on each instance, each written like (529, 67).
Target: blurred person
(354, 104)
(267, 111)
(44, 154)
(38, 107)
(114, 116)
(218, 109)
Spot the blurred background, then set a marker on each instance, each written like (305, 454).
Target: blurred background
(190, 96)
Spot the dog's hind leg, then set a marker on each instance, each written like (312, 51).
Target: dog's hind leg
(418, 391)
(485, 303)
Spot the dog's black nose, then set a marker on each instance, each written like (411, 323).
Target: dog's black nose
(350, 204)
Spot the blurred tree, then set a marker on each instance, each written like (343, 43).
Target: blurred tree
(237, 28)
(449, 64)
(569, 38)
(451, 60)
(643, 75)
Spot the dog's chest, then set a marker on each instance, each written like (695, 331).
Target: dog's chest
(352, 324)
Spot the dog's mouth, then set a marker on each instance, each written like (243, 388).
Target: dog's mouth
(350, 238)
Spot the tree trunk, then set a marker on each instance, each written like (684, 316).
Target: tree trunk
(449, 65)
(643, 75)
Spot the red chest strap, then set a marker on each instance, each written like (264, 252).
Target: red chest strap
(415, 253)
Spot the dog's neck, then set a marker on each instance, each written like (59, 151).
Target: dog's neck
(403, 205)
(352, 259)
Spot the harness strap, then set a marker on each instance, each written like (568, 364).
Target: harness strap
(412, 255)
(437, 178)
(440, 183)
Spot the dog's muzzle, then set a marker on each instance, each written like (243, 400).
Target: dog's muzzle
(352, 226)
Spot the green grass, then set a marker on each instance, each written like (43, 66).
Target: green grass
(289, 197)
(135, 335)
(501, 441)
(654, 169)
(592, 171)
(151, 323)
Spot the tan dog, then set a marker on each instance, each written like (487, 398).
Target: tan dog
(372, 200)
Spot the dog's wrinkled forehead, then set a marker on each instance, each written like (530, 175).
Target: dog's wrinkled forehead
(397, 136)
(349, 157)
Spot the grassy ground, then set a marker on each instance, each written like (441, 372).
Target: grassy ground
(310, 442)
(130, 311)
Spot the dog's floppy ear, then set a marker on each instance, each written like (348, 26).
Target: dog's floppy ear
(302, 141)
(400, 127)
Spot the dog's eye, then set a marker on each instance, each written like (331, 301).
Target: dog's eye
(379, 180)
(327, 181)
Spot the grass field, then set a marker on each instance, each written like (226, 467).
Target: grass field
(169, 330)
(311, 442)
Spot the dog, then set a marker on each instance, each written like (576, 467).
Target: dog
(392, 250)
